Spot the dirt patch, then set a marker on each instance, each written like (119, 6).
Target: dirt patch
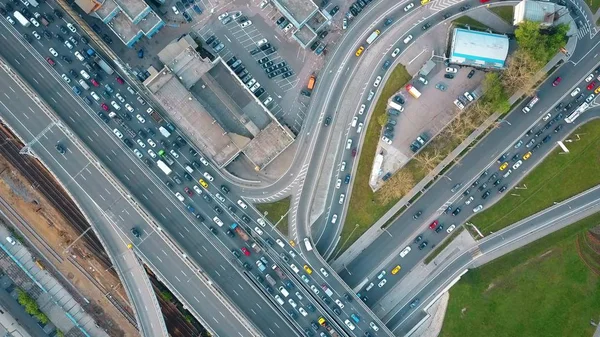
(52, 234)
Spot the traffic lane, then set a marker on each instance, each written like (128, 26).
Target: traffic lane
(81, 125)
(472, 164)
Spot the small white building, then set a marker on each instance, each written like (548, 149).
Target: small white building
(548, 14)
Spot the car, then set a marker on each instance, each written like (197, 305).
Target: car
(246, 24)
(409, 7)
(50, 61)
(377, 81)
(468, 96)
(433, 225)
(386, 140)
(477, 208)
(423, 245)
(526, 155)
(359, 51)
(440, 87)
(245, 251)
(258, 230)
(141, 143)
(449, 76)
(589, 78)
(349, 325)
(307, 269)
(556, 81)
(405, 251)
(71, 27)
(151, 153)
(518, 144)
(451, 70)
(129, 108)
(36, 35)
(396, 270)
(456, 211)
(324, 272)
(426, 26)
(396, 52)
(119, 80)
(34, 22)
(591, 86)
(575, 92)
(517, 164)
(66, 78)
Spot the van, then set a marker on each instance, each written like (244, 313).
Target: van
(307, 244)
(407, 39)
(279, 300)
(189, 169)
(84, 85)
(283, 291)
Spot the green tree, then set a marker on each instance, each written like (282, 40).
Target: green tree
(59, 333)
(166, 295)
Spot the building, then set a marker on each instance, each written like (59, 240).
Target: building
(548, 14)
(305, 16)
(130, 20)
(478, 49)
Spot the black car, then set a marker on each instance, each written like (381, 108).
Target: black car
(439, 228)
(486, 194)
(314, 325)
(327, 121)
(483, 186)
(236, 253)
(216, 232)
(529, 133)
(502, 189)
(3, 11)
(314, 45)
(25, 36)
(47, 34)
(466, 192)
(539, 133)
(516, 157)
(265, 46)
(471, 73)
(546, 139)
(323, 34)
(58, 13)
(502, 158)
(497, 182)
(387, 22)
(447, 15)
(558, 128)
(418, 239)
(559, 106)
(245, 218)
(558, 117)
(193, 152)
(386, 65)
(259, 92)
(103, 117)
(206, 197)
(231, 61)
(580, 97)
(128, 142)
(288, 74)
(218, 210)
(229, 232)
(426, 26)
(263, 60)
(188, 176)
(423, 245)
(464, 8)
(270, 51)
(60, 148)
(334, 10)
(181, 141)
(211, 40)
(169, 184)
(63, 29)
(225, 189)
(267, 65)
(280, 20)
(456, 211)
(448, 209)
(568, 107)
(449, 76)
(255, 51)
(84, 40)
(135, 232)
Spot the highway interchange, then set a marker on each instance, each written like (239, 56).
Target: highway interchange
(181, 224)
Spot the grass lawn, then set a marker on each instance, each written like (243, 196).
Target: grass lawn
(466, 20)
(277, 212)
(557, 178)
(505, 12)
(542, 289)
(593, 4)
(362, 209)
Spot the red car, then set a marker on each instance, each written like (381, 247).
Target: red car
(189, 191)
(591, 85)
(245, 251)
(354, 152)
(104, 106)
(120, 80)
(95, 83)
(556, 81)
(433, 225)
(50, 61)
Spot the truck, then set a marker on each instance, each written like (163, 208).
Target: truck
(261, 266)
(99, 61)
(413, 91)
(164, 131)
(155, 116)
(396, 106)
(22, 20)
(311, 82)
(33, 3)
(373, 36)
(531, 103)
(163, 167)
(163, 154)
(238, 229)
(328, 327)
(270, 279)
(279, 272)
(326, 290)
(256, 247)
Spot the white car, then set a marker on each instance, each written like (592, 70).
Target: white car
(292, 303)
(396, 52)
(138, 153)
(589, 78)
(478, 208)
(381, 275)
(386, 140)
(409, 7)
(575, 92)
(236, 15)
(246, 24)
(280, 243)
(338, 183)
(53, 52)
(334, 218)
(71, 27)
(120, 98)
(151, 142)
(314, 289)
(36, 35)
(451, 70)
(197, 189)
(374, 326)
(517, 164)
(79, 56)
(303, 312)
(343, 166)
(382, 283)
(95, 96)
(220, 197)
(203, 161)
(324, 272)
(339, 303)
(251, 83)
(258, 230)
(34, 22)
(288, 27)
(261, 42)
(407, 40)
(66, 78)
(450, 229)
(175, 10)
(342, 196)
(141, 143)
(207, 175)
(118, 133)
(68, 44)
(294, 268)
(85, 74)
(140, 118)
(469, 200)
(115, 105)
(179, 196)
(174, 154)
(129, 108)
(268, 100)
(370, 286)
(459, 104)
(241, 204)
(469, 96)
(261, 222)
(404, 252)
(292, 254)
(377, 81)
(359, 128)
(151, 153)
(361, 110)
(547, 117)
(10, 20)
(349, 325)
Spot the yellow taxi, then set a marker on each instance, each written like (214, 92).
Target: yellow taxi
(503, 166)
(597, 91)
(292, 243)
(359, 51)
(424, 2)
(307, 268)
(396, 270)
(526, 155)
(203, 183)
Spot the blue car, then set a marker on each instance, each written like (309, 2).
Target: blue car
(197, 9)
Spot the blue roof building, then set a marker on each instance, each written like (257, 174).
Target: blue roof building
(479, 49)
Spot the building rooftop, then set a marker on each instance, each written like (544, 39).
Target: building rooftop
(305, 35)
(193, 119)
(184, 61)
(133, 8)
(123, 27)
(297, 11)
(268, 144)
(479, 48)
(108, 6)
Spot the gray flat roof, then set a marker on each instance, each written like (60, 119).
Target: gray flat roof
(298, 10)
(268, 144)
(108, 6)
(132, 8)
(123, 27)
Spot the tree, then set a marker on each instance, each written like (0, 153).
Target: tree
(398, 185)
(520, 73)
(429, 159)
(166, 295)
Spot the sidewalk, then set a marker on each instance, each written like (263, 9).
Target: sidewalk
(373, 233)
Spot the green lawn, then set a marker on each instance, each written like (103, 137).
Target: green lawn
(363, 210)
(466, 20)
(542, 289)
(558, 177)
(277, 212)
(593, 4)
(505, 12)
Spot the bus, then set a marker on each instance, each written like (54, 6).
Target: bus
(163, 167)
(573, 115)
(307, 244)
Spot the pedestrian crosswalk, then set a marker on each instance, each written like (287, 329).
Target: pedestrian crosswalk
(440, 5)
(476, 252)
(584, 31)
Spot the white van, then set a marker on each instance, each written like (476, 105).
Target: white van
(283, 291)
(84, 85)
(189, 169)
(279, 300)
(307, 244)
